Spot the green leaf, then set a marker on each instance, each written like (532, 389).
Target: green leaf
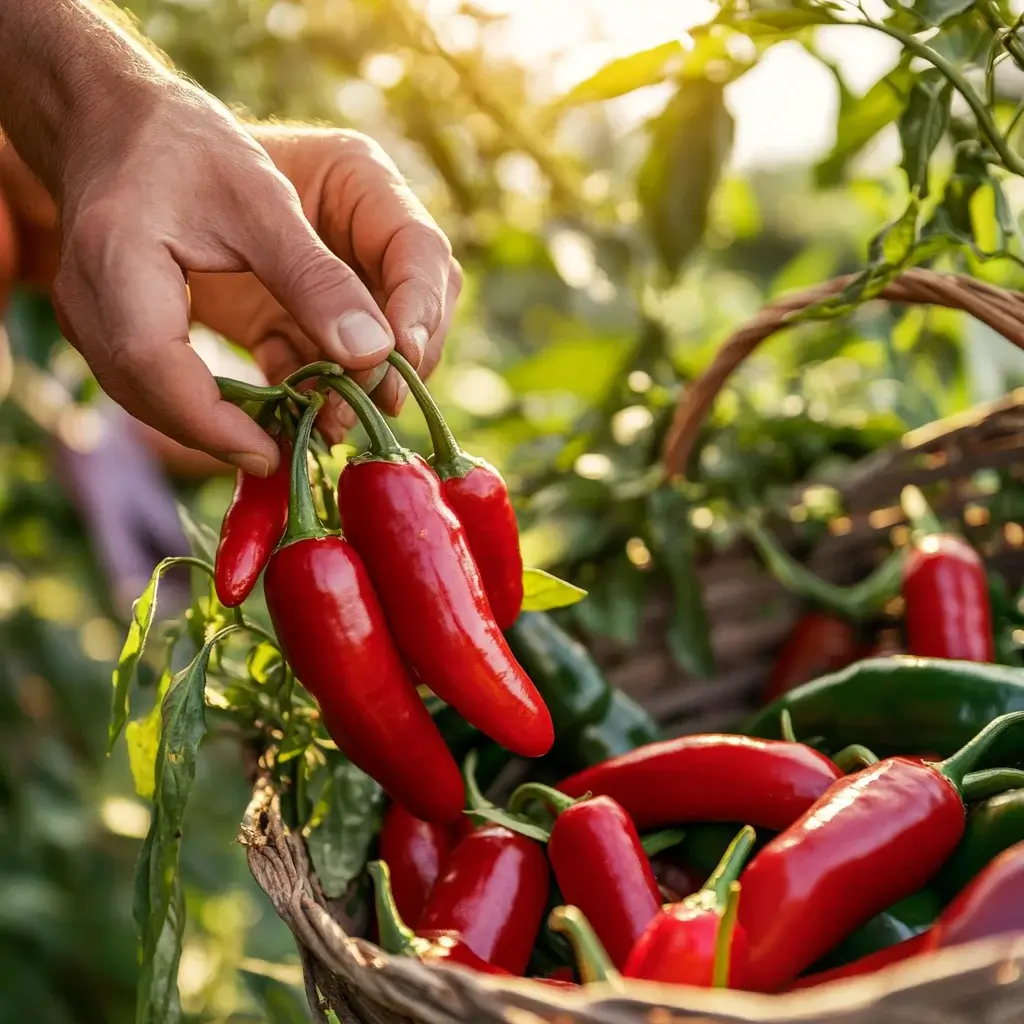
(656, 842)
(343, 825)
(673, 541)
(142, 738)
(935, 12)
(159, 898)
(280, 1003)
(201, 538)
(626, 74)
(542, 592)
(689, 143)
(861, 118)
(784, 19)
(923, 124)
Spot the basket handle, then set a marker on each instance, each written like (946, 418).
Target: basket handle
(1000, 309)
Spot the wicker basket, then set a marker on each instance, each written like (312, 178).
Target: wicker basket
(981, 983)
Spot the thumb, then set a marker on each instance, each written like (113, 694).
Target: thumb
(323, 295)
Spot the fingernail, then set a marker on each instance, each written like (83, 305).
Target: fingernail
(361, 335)
(375, 376)
(250, 462)
(419, 336)
(402, 393)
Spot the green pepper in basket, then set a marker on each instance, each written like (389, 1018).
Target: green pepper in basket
(625, 726)
(901, 705)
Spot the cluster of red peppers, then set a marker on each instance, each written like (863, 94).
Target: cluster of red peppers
(414, 590)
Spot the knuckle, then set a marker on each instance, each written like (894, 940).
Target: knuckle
(456, 278)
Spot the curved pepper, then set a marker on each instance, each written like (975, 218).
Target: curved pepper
(819, 643)
(478, 495)
(416, 851)
(901, 703)
(711, 777)
(332, 632)
(253, 526)
(416, 553)
(599, 865)
(994, 825)
(625, 726)
(872, 839)
(697, 942)
(866, 964)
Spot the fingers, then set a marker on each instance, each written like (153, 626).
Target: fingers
(124, 306)
(432, 355)
(323, 295)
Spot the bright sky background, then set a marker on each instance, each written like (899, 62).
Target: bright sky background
(784, 109)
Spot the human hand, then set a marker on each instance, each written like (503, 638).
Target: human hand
(189, 196)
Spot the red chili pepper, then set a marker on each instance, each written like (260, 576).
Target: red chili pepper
(712, 777)
(253, 525)
(416, 851)
(697, 942)
(333, 633)
(415, 550)
(993, 904)
(487, 905)
(894, 954)
(872, 839)
(599, 865)
(479, 497)
(819, 643)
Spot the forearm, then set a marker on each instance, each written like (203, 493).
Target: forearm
(66, 70)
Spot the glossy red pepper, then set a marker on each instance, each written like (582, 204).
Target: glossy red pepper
(819, 643)
(599, 865)
(992, 904)
(479, 497)
(711, 777)
(416, 851)
(866, 964)
(332, 632)
(253, 526)
(697, 942)
(489, 902)
(872, 839)
(416, 552)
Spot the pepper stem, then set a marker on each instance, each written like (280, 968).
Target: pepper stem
(474, 795)
(850, 757)
(723, 940)
(591, 958)
(396, 937)
(383, 443)
(303, 522)
(956, 767)
(449, 459)
(982, 785)
(551, 798)
(731, 864)
(786, 726)
(917, 510)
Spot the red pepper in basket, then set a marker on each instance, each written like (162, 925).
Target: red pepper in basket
(416, 851)
(945, 588)
(697, 942)
(486, 907)
(479, 497)
(253, 525)
(711, 777)
(819, 643)
(866, 964)
(332, 632)
(599, 865)
(416, 552)
(872, 839)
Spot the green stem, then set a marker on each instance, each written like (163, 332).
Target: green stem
(854, 756)
(303, 522)
(449, 459)
(919, 513)
(731, 864)
(396, 937)
(723, 940)
(786, 729)
(551, 798)
(474, 796)
(959, 765)
(1006, 33)
(982, 785)
(319, 369)
(383, 444)
(591, 958)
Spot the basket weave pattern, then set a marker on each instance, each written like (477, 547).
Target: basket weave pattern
(982, 983)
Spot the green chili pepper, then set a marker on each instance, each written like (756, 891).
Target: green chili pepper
(992, 826)
(903, 920)
(623, 727)
(902, 705)
(567, 677)
(856, 602)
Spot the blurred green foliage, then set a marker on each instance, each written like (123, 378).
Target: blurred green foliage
(604, 265)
